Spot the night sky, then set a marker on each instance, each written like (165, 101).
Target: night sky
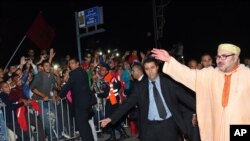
(199, 25)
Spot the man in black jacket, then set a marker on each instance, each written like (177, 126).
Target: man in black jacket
(81, 98)
(155, 125)
(138, 75)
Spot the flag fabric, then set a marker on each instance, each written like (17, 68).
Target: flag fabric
(41, 33)
(21, 119)
(21, 112)
(35, 106)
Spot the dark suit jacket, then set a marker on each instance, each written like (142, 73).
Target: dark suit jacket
(173, 94)
(81, 93)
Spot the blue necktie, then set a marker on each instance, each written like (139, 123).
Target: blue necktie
(159, 103)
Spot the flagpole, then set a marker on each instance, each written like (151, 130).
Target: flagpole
(78, 38)
(15, 52)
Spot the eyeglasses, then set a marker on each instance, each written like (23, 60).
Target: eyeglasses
(223, 57)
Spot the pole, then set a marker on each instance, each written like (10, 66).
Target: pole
(15, 52)
(155, 23)
(78, 38)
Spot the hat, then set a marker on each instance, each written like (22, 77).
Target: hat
(230, 48)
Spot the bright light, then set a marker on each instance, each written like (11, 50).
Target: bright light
(100, 53)
(55, 67)
(108, 51)
(117, 54)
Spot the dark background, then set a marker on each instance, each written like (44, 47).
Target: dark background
(199, 25)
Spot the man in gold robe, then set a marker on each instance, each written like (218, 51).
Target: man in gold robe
(222, 93)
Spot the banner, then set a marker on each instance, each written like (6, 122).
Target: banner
(41, 33)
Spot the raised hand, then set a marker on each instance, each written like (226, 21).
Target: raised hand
(22, 60)
(52, 53)
(142, 54)
(161, 54)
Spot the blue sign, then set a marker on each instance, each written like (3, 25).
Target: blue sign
(90, 17)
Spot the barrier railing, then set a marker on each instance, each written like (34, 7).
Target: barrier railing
(54, 122)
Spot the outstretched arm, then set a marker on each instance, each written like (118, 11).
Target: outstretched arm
(176, 70)
(122, 110)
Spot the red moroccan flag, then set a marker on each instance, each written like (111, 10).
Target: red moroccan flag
(41, 33)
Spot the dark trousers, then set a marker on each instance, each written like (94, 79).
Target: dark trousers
(162, 131)
(82, 122)
(37, 123)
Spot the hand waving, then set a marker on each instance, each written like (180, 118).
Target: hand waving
(161, 54)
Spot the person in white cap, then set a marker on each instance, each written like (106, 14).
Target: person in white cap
(222, 93)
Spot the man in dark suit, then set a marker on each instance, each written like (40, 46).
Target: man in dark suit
(81, 98)
(161, 124)
(138, 76)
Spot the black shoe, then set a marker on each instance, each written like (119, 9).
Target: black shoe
(123, 134)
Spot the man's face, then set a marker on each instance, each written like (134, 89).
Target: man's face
(12, 69)
(31, 52)
(40, 68)
(206, 61)
(226, 60)
(46, 67)
(5, 88)
(126, 65)
(120, 71)
(192, 64)
(135, 72)
(247, 61)
(151, 70)
(19, 73)
(102, 71)
(18, 81)
(73, 64)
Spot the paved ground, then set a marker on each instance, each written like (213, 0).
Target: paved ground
(103, 137)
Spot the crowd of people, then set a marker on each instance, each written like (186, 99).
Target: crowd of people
(107, 88)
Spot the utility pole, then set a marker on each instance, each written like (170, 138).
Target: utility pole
(159, 20)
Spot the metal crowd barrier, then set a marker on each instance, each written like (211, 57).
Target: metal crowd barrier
(3, 129)
(61, 122)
